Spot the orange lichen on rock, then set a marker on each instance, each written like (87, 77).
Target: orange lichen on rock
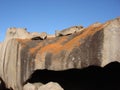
(90, 31)
(75, 42)
(57, 46)
(54, 47)
(62, 39)
(34, 49)
(87, 32)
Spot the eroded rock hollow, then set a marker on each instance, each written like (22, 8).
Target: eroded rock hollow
(76, 47)
(90, 78)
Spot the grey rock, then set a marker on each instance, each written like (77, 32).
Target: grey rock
(10, 58)
(111, 45)
(51, 86)
(17, 33)
(38, 84)
(68, 31)
(37, 36)
(43, 35)
(29, 86)
(51, 36)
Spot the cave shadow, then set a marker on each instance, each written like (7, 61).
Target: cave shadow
(3, 86)
(90, 78)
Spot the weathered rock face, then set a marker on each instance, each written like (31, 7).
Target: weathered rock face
(30, 86)
(37, 36)
(39, 86)
(17, 33)
(10, 63)
(20, 56)
(111, 45)
(69, 31)
(51, 86)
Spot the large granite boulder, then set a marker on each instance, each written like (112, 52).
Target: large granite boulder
(97, 45)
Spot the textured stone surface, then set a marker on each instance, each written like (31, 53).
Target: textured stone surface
(111, 45)
(10, 63)
(50, 86)
(37, 36)
(40, 86)
(69, 31)
(30, 86)
(97, 44)
(17, 33)
(43, 35)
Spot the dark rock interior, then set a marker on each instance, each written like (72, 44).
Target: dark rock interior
(90, 78)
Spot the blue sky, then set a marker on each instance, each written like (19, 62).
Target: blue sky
(50, 15)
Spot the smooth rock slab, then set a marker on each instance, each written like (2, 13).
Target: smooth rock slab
(29, 86)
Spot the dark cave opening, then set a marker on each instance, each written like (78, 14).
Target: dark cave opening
(3, 86)
(90, 78)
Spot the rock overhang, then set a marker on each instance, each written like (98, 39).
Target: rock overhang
(97, 44)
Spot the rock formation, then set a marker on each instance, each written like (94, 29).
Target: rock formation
(37, 36)
(20, 56)
(30, 86)
(39, 86)
(17, 33)
(50, 86)
(69, 31)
